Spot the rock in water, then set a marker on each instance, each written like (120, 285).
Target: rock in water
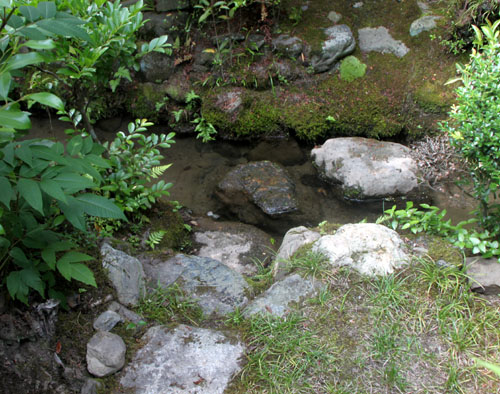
(369, 248)
(105, 354)
(183, 360)
(366, 168)
(263, 183)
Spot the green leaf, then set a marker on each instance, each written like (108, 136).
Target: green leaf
(31, 277)
(15, 119)
(30, 191)
(16, 287)
(48, 99)
(23, 59)
(65, 264)
(492, 367)
(6, 194)
(74, 145)
(64, 27)
(49, 253)
(29, 12)
(5, 80)
(40, 44)
(23, 152)
(73, 211)
(72, 182)
(99, 206)
(83, 274)
(47, 9)
(53, 189)
(15, 21)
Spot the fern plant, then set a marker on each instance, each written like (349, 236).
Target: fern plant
(155, 238)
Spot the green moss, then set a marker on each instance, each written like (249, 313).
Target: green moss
(432, 98)
(441, 249)
(143, 100)
(351, 68)
(176, 235)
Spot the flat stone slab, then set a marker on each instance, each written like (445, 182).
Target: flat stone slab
(422, 24)
(184, 360)
(367, 168)
(279, 298)
(378, 39)
(236, 245)
(369, 248)
(339, 43)
(484, 275)
(215, 287)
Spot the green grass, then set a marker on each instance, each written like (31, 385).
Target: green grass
(417, 331)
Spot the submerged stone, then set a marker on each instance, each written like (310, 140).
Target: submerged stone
(183, 360)
(263, 183)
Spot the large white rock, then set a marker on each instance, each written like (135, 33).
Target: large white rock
(378, 39)
(183, 360)
(367, 168)
(293, 240)
(371, 249)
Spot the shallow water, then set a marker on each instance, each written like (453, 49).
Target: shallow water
(197, 168)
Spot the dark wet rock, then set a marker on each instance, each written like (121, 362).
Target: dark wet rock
(339, 43)
(105, 354)
(183, 360)
(161, 24)
(236, 245)
(171, 5)
(177, 87)
(422, 24)
(107, 320)
(288, 46)
(157, 67)
(369, 248)
(285, 152)
(215, 287)
(255, 41)
(265, 74)
(125, 273)
(263, 183)
(203, 58)
(367, 168)
(125, 313)
(378, 39)
(281, 296)
(484, 275)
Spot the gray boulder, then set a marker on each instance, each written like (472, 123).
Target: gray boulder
(105, 354)
(369, 248)
(484, 275)
(236, 245)
(422, 24)
(338, 44)
(125, 273)
(183, 360)
(378, 39)
(367, 168)
(216, 288)
(157, 67)
(265, 184)
(335, 17)
(125, 313)
(288, 46)
(282, 295)
(106, 321)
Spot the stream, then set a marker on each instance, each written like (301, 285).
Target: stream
(198, 167)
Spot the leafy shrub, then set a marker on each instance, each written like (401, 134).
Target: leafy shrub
(351, 68)
(474, 125)
(135, 161)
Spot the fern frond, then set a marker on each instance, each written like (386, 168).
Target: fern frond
(155, 238)
(159, 170)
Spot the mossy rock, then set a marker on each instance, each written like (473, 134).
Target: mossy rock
(351, 68)
(432, 98)
(176, 234)
(143, 100)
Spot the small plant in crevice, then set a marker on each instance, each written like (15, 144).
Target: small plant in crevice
(312, 263)
(155, 238)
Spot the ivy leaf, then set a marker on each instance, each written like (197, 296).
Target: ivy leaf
(30, 191)
(99, 206)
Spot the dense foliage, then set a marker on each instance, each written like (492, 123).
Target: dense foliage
(474, 126)
(74, 49)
